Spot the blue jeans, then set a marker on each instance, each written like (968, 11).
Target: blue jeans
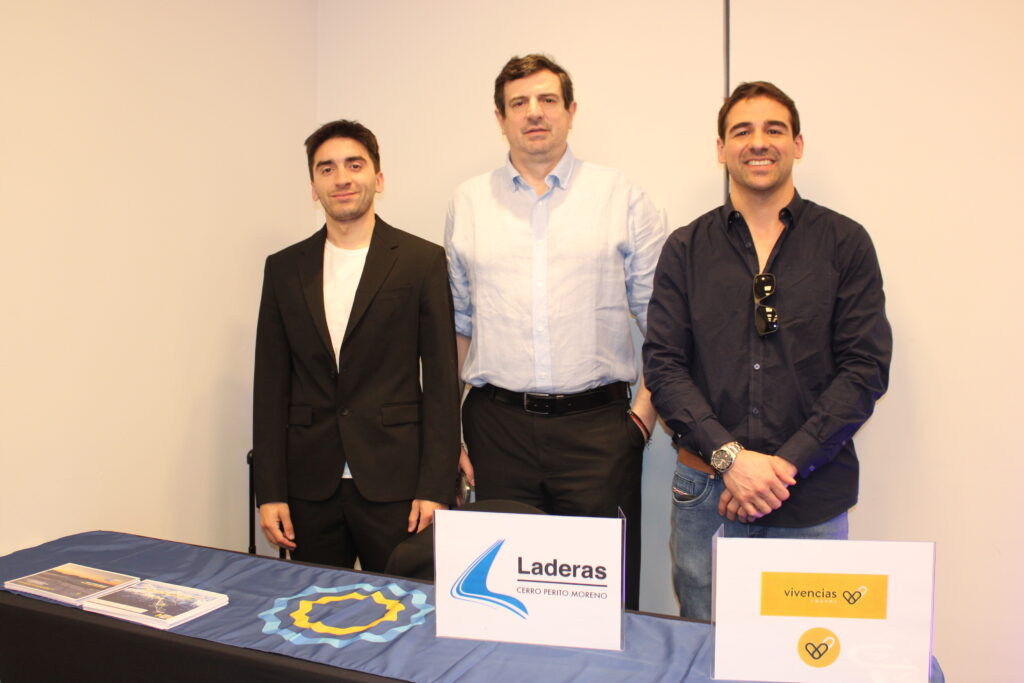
(695, 519)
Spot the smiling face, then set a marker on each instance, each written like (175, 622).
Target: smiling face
(344, 181)
(536, 121)
(759, 147)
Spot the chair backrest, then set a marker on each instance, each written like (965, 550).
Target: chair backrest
(414, 557)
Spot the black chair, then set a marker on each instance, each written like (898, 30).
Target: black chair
(281, 553)
(414, 557)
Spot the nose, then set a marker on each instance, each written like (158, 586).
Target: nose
(758, 139)
(533, 107)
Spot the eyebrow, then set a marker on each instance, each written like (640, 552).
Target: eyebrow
(748, 124)
(347, 160)
(540, 95)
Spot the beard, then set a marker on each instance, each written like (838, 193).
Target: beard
(349, 212)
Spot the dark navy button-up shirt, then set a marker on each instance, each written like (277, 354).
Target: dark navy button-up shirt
(801, 392)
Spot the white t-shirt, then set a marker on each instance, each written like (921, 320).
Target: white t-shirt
(342, 270)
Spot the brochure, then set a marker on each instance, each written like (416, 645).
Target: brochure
(157, 604)
(70, 583)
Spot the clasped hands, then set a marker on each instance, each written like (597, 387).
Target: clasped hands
(755, 485)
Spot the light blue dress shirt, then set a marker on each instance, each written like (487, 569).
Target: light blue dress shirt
(546, 286)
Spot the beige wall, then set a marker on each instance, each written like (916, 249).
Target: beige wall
(908, 112)
(150, 157)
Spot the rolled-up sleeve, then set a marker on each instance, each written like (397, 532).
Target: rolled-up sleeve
(647, 229)
(458, 275)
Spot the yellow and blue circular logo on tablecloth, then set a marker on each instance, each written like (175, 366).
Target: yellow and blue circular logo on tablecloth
(341, 615)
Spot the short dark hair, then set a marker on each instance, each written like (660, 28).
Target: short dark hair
(745, 91)
(521, 67)
(343, 128)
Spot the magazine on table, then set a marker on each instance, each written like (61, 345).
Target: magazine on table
(157, 604)
(71, 583)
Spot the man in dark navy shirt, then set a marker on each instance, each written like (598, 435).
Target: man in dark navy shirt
(767, 347)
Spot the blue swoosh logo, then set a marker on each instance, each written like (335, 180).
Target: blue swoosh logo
(472, 584)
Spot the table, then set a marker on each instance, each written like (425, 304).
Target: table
(42, 641)
(255, 637)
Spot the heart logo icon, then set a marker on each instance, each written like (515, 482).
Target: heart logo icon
(816, 651)
(818, 647)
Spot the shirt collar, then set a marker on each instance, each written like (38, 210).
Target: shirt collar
(560, 176)
(788, 215)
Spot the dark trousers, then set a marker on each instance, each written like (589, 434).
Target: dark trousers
(584, 464)
(345, 526)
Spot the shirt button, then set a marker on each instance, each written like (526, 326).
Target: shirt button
(756, 411)
(811, 468)
(344, 411)
(757, 366)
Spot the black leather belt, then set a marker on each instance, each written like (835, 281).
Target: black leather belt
(559, 404)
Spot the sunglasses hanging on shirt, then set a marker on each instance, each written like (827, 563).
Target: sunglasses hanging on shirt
(766, 318)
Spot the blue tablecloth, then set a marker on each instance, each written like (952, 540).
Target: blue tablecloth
(366, 622)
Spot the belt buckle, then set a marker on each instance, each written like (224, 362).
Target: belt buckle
(526, 403)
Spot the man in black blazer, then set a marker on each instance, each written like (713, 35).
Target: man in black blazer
(353, 451)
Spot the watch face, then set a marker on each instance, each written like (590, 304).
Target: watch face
(722, 459)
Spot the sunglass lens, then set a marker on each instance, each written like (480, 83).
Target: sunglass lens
(767, 319)
(764, 286)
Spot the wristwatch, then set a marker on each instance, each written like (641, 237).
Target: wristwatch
(723, 457)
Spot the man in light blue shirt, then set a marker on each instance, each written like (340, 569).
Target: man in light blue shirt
(549, 259)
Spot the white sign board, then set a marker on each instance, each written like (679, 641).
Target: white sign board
(539, 579)
(813, 611)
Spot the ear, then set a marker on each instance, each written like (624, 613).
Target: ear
(721, 151)
(380, 182)
(312, 191)
(501, 121)
(572, 113)
(798, 146)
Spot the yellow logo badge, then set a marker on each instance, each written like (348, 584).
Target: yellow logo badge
(801, 594)
(818, 647)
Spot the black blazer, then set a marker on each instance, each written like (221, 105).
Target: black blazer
(401, 439)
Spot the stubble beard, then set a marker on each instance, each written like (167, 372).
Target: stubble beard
(347, 215)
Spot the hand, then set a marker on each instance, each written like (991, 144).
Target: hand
(465, 472)
(732, 508)
(422, 514)
(643, 408)
(465, 466)
(276, 522)
(756, 484)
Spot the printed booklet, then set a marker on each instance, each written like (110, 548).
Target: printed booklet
(156, 604)
(70, 583)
